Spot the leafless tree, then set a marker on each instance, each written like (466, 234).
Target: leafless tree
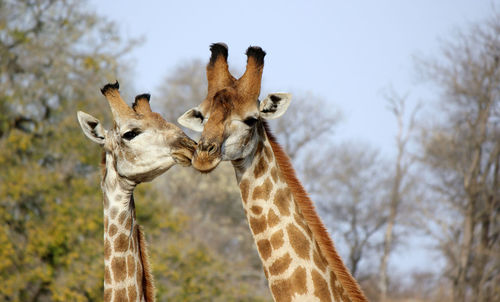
(462, 153)
(399, 182)
(309, 121)
(350, 192)
(184, 87)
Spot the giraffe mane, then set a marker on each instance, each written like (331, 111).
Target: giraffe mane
(312, 218)
(148, 285)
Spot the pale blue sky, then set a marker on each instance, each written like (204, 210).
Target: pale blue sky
(345, 51)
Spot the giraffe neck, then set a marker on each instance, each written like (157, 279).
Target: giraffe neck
(288, 246)
(125, 266)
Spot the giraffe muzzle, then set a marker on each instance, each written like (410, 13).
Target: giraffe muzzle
(206, 158)
(184, 151)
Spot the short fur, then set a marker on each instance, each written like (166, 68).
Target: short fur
(148, 285)
(118, 106)
(250, 82)
(218, 49)
(146, 96)
(257, 53)
(218, 75)
(313, 220)
(109, 87)
(141, 104)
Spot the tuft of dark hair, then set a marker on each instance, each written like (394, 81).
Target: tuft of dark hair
(146, 96)
(257, 53)
(218, 49)
(108, 87)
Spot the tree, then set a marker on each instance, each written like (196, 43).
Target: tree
(183, 88)
(351, 194)
(399, 182)
(462, 153)
(54, 55)
(309, 121)
(184, 266)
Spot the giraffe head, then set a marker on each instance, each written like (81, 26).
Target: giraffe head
(141, 142)
(231, 113)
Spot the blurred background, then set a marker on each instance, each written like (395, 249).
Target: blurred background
(394, 129)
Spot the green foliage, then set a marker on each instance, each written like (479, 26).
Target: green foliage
(51, 221)
(50, 213)
(51, 235)
(185, 269)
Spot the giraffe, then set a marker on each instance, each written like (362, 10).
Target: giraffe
(298, 256)
(140, 146)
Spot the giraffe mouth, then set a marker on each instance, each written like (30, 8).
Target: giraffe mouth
(205, 162)
(184, 154)
(182, 158)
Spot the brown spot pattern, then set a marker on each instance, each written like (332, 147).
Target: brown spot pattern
(318, 260)
(138, 265)
(119, 268)
(320, 287)
(138, 276)
(128, 223)
(298, 241)
(122, 217)
(130, 266)
(113, 212)
(260, 168)
(268, 152)
(264, 248)
(299, 282)
(299, 219)
(107, 249)
(336, 295)
(244, 188)
(121, 243)
(112, 230)
(263, 191)
(282, 201)
(107, 295)
(107, 275)
(120, 295)
(259, 148)
(258, 225)
(280, 265)
(105, 224)
(272, 218)
(277, 239)
(132, 293)
(135, 241)
(282, 290)
(320, 253)
(256, 210)
(105, 202)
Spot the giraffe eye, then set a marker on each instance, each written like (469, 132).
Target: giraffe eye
(131, 134)
(250, 121)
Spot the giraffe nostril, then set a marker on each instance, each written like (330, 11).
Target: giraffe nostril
(212, 148)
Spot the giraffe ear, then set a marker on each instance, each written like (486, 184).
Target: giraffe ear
(274, 105)
(91, 127)
(192, 119)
